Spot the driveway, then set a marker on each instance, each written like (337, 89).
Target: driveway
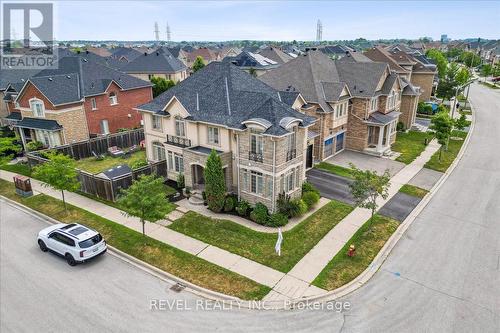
(331, 186)
(399, 206)
(366, 162)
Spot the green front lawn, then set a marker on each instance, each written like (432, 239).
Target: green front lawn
(413, 190)
(335, 169)
(22, 169)
(368, 242)
(156, 253)
(410, 145)
(259, 246)
(92, 165)
(447, 156)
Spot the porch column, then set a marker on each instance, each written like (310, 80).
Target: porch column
(380, 137)
(23, 138)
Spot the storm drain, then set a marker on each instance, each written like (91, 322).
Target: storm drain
(177, 287)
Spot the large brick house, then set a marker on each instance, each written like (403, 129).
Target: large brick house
(349, 99)
(257, 131)
(79, 100)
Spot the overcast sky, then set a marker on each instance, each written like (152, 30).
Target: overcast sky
(276, 20)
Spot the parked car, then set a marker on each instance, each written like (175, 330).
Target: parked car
(75, 242)
(496, 79)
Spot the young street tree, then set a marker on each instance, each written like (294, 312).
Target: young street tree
(145, 199)
(198, 64)
(368, 186)
(486, 70)
(441, 126)
(440, 60)
(215, 185)
(59, 173)
(161, 85)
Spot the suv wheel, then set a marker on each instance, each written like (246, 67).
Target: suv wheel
(42, 245)
(69, 258)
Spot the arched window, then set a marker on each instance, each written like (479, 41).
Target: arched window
(113, 99)
(38, 108)
(158, 151)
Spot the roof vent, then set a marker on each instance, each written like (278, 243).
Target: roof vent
(68, 77)
(145, 53)
(50, 79)
(85, 60)
(157, 53)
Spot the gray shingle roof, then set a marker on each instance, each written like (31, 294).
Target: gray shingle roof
(361, 77)
(92, 79)
(8, 75)
(275, 54)
(38, 123)
(160, 61)
(127, 52)
(223, 94)
(389, 83)
(248, 60)
(308, 74)
(382, 118)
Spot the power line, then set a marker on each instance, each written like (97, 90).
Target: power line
(169, 34)
(157, 32)
(319, 31)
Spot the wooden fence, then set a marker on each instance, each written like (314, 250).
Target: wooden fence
(92, 184)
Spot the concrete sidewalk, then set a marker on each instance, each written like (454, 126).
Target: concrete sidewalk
(309, 267)
(245, 267)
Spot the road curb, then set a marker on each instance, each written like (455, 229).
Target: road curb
(158, 273)
(375, 265)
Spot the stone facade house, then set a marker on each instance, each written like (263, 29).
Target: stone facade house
(79, 100)
(257, 131)
(315, 76)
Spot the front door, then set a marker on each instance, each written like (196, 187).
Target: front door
(309, 157)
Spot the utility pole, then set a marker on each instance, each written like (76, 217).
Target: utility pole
(169, 36)
(157, 32)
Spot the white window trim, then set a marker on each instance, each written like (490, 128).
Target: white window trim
(213, 139)
(93, 104)
(153, 127)
(182, 122)
(258, 138)
(34, 101)
(113, 99)
(374, 104)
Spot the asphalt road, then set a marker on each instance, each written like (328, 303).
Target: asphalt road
(443, 275)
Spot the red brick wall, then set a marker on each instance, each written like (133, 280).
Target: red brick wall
(116, 115)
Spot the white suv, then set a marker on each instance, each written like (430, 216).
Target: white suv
(74, 242)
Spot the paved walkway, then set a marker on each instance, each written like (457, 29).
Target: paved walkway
(250, 269)
(309, 267)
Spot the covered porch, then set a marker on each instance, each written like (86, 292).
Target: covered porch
(381, 129)
(46, 131)
(195, 160)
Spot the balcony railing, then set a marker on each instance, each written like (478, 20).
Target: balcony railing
(291, 154)
(257, 157)
(178, 141)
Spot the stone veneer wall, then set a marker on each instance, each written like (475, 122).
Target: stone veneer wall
(357, 130)
(409, 105)
(425, 82)
(194, 158)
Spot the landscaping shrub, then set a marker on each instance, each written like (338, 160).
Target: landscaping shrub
(259, 214)
(400, 127)
(296, 207)
(34, 145)
(310, 199)
(242, 208)
(215, 184)
(308, 187)
(138, 164)
(277, 220)
(230, 203)
(180, 181)
(424, 108)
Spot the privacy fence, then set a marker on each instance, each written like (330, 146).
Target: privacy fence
(108, 189)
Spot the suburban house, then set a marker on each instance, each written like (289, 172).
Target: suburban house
(252, 63)
(7, 78)
(100, 51)
(205, 53)
(276, 54)
(160, 63)
(336, 51)
(357, 103)
(80, 99)
(315, 76)
(257, 131)
(404, 66)
(179, 53)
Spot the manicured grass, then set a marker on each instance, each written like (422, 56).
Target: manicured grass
(94, 166)
(22, 169)
(116, 205)
(413, 190)
(489, 85)
(335, 169)
(466, 112)
(447, 156)
(368, 241)
(259, 246)
(156, 253)
(410, 145)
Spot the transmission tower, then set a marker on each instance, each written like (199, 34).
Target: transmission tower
(319, 31)
(169, 34)
(157, 32)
